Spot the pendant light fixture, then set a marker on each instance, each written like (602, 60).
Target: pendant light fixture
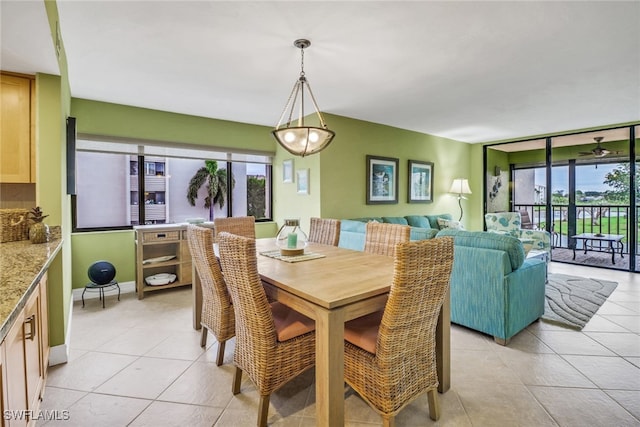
(299, 139)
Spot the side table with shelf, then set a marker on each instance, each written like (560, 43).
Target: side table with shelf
(162, 250)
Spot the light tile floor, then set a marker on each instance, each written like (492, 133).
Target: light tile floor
(139, 363)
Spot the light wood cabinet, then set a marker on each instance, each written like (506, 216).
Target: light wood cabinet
(3, 383)
(17, 129)
(14, 365)
(162, 249)
(23, 363)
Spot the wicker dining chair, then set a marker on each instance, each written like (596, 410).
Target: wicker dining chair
(217, 310)
(381, 238)
(274, 343)
(390, 356)
(325, 231)
(239, 225)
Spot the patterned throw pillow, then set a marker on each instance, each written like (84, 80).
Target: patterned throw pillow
(449, 223)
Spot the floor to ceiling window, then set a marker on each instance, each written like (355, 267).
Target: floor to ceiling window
(577, 187)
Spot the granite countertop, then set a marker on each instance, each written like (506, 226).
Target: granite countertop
(22, 265)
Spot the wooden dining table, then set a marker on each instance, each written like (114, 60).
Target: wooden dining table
(341, 285)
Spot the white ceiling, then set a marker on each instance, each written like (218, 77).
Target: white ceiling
(470, 71)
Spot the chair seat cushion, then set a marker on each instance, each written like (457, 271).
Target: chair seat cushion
(289, 323)
(363, 331)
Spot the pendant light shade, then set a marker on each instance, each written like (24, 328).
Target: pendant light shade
(299, 139)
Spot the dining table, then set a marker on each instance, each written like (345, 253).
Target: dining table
(333, 285)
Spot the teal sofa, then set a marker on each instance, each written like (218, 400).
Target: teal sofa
(352, 231)
(494, 288)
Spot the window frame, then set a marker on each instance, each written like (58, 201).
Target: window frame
(142, 173)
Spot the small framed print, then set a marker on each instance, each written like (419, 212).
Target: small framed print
(287, 171)
(420, 187)
(302, 180)
(382, 180)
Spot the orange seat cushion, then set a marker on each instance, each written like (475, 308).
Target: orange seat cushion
(289, 323)
(363, 331)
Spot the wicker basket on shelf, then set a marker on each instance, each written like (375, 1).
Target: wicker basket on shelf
(14, 225)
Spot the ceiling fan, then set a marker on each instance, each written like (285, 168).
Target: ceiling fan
(598, 151)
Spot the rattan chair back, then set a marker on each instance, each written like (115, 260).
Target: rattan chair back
(325, 231)
(268, 362)
(239, 225)
(217, 310)
(404, 365)
(381, 238)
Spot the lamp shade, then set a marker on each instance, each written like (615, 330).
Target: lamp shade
(460, 186)
(303, 140)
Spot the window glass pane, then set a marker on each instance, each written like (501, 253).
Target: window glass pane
(251, 191)
(103, 190)
(179, 174)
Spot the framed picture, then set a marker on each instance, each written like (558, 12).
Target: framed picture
(382, 180)
(302, 179)
(287, 171)
(420, 188)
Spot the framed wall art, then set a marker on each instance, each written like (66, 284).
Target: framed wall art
(420, 187)
(302, 180)
(382, 180)
(287, 171)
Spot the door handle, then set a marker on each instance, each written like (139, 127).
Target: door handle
(31, 321)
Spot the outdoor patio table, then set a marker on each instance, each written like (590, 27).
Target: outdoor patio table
(610, 239)
(340, 286)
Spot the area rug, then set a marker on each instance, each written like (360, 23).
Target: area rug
(571, 300)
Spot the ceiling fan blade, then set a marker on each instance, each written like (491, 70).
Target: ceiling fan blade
(586, 153)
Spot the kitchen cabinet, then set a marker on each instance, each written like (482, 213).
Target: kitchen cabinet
(23, 369)
(17, 124)
(162, 250)
(3, 383)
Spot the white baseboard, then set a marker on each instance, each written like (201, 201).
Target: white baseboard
(60, 353)
(124, 288)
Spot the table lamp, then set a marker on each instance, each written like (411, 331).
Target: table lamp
(460, 186)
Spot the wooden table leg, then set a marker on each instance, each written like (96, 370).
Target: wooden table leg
(330, 368)
(196, 291)
(443, 345)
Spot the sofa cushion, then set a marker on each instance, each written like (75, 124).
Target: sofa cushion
(449, 223)
(417, 233)
(433, 219)
(352, 234)
(481, 239)
(369, 219)
(420, 221)
(395, 220)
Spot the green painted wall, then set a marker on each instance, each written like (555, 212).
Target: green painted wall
(52, 108)
(343, 170)
(102, 118)
(287, 203)
(118, 247)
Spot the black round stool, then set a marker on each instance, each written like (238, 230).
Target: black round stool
(101, 274)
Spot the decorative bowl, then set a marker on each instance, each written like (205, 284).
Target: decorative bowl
(160, 279)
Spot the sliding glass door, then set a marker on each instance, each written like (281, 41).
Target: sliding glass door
(578, 187)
